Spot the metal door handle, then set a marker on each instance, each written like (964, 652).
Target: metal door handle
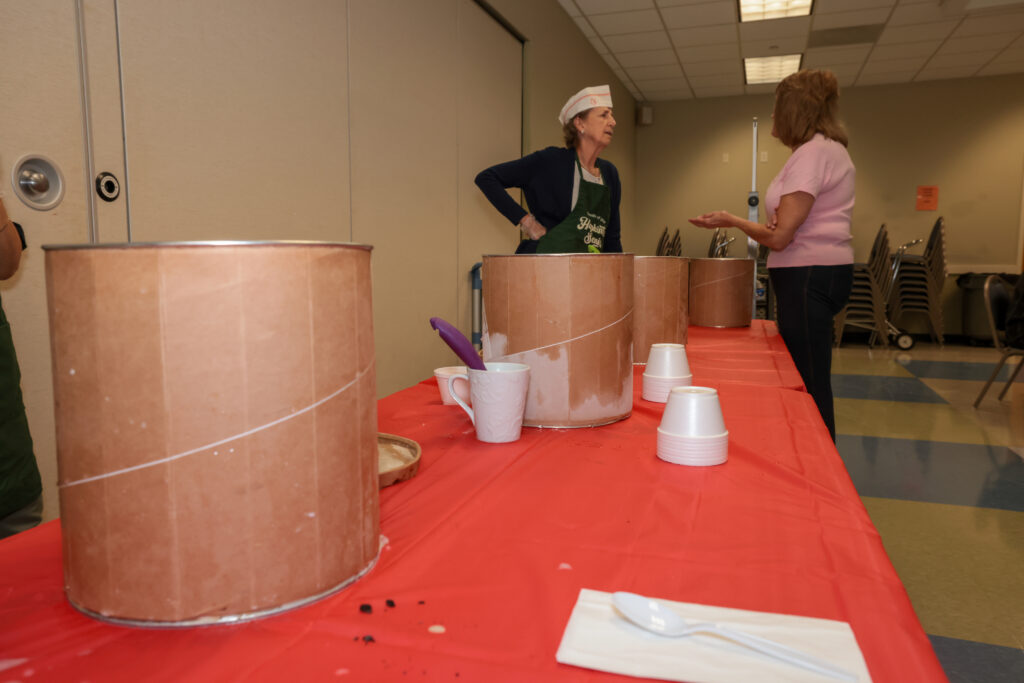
(34, 183)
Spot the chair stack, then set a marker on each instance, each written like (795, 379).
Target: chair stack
(867, 306)
(919, 281)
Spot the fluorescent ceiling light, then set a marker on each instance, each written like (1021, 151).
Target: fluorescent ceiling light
(770, 69)
(758, 10)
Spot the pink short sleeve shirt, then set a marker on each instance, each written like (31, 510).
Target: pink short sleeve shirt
(821, 168)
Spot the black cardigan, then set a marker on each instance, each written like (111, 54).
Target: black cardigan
(546, 180)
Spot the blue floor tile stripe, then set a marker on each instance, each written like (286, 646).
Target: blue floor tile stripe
(934, 471)
(908, 389)
(965, 661)
(940, 369)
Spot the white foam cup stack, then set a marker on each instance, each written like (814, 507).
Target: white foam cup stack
(667, 367)
(692, 430)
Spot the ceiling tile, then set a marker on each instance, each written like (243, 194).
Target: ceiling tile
(760, 89)
(570, 7)
(852, 54)
(648, 58)
(775, 46)
(830, 6)
(703, 14)
(735, 80)
(995, 41)
(918, 13)
(676, 3)
(629, 42)
(927, 74)
(718, 90)
(880, 66)
(992, 23)
(647, 73)
(705, 35)
(842, 71)
(626, 22)
(661, 84)
(602, 6)
(669, 95)
(916, 33)
(708, 53)
(775, 28)
(843, 19)
(996, 68)
(721, 67)
(964, 59)
(884, 78)
(585, 26)
(926, 49)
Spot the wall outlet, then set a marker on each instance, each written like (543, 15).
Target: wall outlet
(764, 156)
(725, 157)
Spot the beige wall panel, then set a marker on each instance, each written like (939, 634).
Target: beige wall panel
(559, 62)
(40, 115)
(490, 122)
(236, 119)
(695, 158)
(404, 58)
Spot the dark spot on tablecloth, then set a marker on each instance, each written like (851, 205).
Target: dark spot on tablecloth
(366, 608)
(389, 602)
(368, 639)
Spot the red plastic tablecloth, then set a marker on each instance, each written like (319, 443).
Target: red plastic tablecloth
(494, 542)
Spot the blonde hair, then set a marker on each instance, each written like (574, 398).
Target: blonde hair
(806, 103)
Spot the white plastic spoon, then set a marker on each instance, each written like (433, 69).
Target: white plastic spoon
(657, 618)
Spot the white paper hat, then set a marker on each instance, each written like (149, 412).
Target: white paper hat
(596, 96)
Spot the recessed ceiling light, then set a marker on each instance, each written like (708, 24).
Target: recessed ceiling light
(770, 69)
(758, 10)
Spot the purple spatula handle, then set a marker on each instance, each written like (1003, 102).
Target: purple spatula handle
(458, 342)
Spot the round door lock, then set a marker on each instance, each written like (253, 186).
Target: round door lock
(752, 200)
(107, 186)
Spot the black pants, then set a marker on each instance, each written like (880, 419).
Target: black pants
(808, 298)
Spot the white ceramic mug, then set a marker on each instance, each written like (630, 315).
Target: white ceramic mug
(499, 400)
(442, 375)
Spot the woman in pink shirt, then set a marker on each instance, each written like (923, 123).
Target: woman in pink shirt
(809, 203)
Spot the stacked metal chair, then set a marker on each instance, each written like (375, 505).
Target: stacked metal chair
(919, 281)
(867, 306)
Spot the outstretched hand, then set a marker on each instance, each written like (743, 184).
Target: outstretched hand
(715, 219)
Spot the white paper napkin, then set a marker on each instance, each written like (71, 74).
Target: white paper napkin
(597, 637)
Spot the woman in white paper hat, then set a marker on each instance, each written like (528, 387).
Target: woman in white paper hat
(573, 196)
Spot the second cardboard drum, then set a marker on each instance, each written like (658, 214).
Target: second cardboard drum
(721, 292)
(660, 302)
(216, 424)
(567, 316)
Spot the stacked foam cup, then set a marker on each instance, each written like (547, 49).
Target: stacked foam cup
(666, 368)
(692, 430)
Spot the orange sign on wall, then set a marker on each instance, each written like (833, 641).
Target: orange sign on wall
(927, 197)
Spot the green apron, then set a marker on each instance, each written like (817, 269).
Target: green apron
(19, 475)
(583, 230)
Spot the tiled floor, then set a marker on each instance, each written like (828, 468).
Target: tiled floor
(944, 484)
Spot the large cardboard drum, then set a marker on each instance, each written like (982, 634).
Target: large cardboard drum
(660, 302)
(216, 426)
(569, 317)
(721, 292)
